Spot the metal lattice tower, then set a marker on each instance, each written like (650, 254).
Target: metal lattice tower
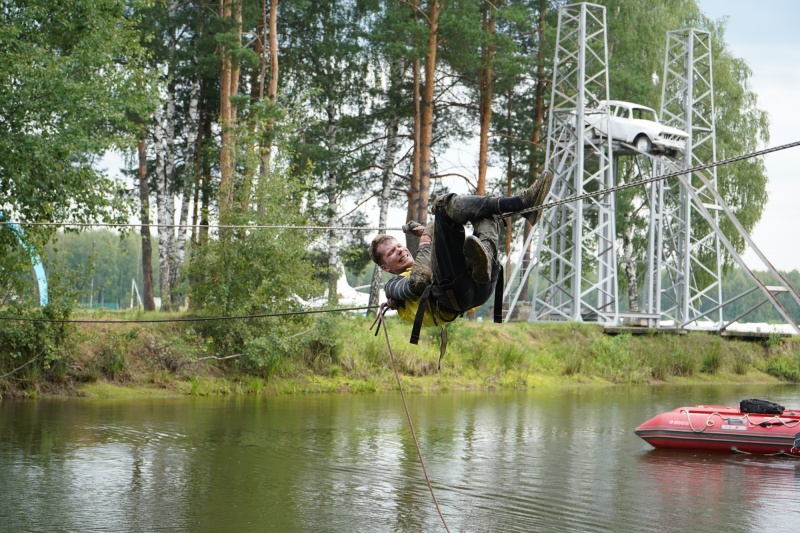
(575, 277)
(685, 273)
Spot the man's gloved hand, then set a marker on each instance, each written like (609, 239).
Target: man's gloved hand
(420, 277)
(413, 228)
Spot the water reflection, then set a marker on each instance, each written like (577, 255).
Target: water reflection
(533, 461)
(738, 492)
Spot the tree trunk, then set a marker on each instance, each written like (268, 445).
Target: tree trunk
(167, 235)
(509, 177)
(534, 167)
(426, 113)
(334, 264)
(235, 64)
(205, 187)
(198, 170)
(412, 241)
(144, 213)
(162, 196)
(226, 122)
(629, 265)
(392, 146)
(272, 95)
(485, 90)
(251, 162)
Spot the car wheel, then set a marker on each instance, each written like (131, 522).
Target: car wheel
(642, 143)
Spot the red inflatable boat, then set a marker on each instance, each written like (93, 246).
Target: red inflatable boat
(717, 428)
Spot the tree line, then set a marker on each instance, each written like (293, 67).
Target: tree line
(238, 113)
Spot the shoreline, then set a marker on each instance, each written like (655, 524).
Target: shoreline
(130, 361)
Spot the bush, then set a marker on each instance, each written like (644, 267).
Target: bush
(38, 342)
(255, 273)
(784, 367)
(612, 359)
(712, 357)
(511, 356)
(573, 362)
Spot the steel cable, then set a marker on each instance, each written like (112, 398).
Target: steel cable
(570, 199)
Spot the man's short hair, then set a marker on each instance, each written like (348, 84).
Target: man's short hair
(377, 257)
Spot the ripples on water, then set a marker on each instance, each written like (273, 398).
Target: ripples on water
(535, 461)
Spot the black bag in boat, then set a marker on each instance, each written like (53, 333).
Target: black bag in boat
(761, 407)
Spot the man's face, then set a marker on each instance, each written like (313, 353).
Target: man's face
(396, 257)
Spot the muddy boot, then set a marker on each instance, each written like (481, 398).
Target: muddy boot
(482, 259)
(479, 259)
(535, 196)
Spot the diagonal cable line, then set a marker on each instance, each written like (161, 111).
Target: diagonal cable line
(570, 199)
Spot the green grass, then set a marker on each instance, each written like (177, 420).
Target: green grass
(346, 357)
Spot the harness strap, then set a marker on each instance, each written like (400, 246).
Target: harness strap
(418, 318)
(498, 297)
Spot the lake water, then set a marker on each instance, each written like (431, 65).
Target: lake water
(564, 460)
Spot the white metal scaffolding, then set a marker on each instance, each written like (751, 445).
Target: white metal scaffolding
(575, 265)
(575, 273)
(685, 274)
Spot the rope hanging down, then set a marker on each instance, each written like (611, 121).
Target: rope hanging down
(380, 321)
(389, 228)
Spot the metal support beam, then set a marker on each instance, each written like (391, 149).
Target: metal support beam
(690, 257)
(575, 273)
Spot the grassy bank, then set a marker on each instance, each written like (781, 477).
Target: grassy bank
(340, 354)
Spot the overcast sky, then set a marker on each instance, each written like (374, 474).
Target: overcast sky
(764, 34)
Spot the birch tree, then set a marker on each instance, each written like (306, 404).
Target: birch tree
(68, 86)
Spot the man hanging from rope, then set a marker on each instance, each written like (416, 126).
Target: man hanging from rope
(452, 273)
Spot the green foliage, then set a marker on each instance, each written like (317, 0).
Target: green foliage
(37, 343)
(785, 367)
(774, 340)
(71, 75)
(320, 342)
(612, 359)
(573, 362)
(712, 357)
(741, 363)
(511, 356)
(264, 354)
(113, 362)
(261, 271)
(16, 281)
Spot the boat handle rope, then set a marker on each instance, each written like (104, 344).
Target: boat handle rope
(774, 421)
(708, 423)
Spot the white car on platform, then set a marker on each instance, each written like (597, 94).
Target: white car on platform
(637, 125)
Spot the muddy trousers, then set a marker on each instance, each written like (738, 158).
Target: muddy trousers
(453, 289)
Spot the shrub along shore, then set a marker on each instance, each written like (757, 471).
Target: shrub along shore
(341, 354)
